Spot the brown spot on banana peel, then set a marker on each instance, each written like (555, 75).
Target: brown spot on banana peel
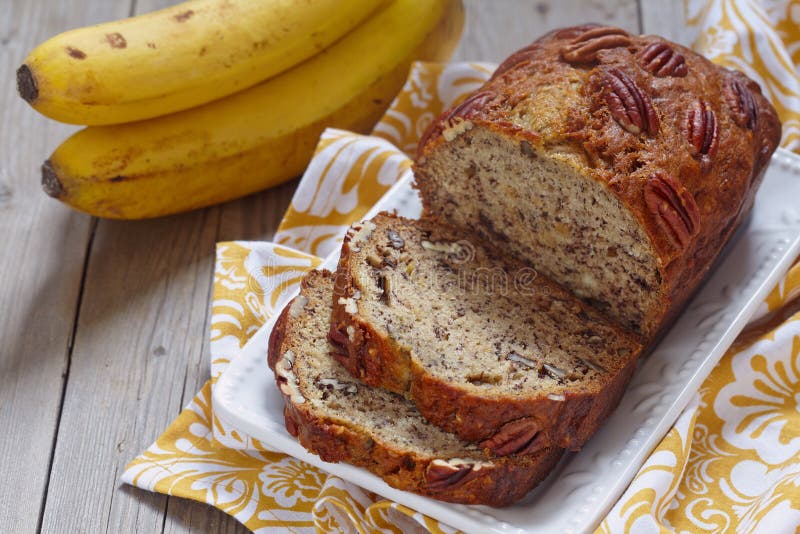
(27, 87)
(116, 40)
(50, 181)
(75, 53)
(183, 17)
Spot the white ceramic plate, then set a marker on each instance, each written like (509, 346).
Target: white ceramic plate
(585, 485)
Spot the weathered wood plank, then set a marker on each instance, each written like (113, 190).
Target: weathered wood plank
(497, 28)
(252, 218)
(191, 517)
(142, 325)
(255, 218)
(41, 264)
(143, 330)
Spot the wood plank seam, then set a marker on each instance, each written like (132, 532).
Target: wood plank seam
(111, 501)
(639, 16)
(206, 327)
(65, 377)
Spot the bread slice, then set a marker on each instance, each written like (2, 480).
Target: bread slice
(341, 419)
(484, 346)
(616, 164)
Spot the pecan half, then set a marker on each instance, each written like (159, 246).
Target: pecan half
(660, 59)
(702, 128)
(584, 48)
(674, 208)
(572, 32)
(339, 342)
(470, 105)
(521, 436)
(741, 101)
(445, 474)
(628, 104)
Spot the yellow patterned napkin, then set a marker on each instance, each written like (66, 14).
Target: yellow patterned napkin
(731, 461)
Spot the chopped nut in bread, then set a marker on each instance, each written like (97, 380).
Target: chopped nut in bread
(341, 420)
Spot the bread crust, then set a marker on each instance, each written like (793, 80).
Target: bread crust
(712, 135)
(276, 337)
(499, 481)
(507, 481)
(378, 360)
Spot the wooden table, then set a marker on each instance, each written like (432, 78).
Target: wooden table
(103, 328)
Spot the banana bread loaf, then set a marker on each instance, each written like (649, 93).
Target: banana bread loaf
(484, 346)
(616, 164)
(341, 419)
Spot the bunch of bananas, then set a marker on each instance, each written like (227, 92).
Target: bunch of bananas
(211, 100)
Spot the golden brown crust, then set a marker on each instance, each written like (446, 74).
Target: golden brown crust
(494, 482)
(276, 337)
(505, 482)
(378, 360)
(636, 108)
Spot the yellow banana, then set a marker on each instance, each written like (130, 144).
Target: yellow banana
(256, 138)
(179, 57)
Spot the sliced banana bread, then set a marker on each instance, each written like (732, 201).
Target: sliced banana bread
(341, 419)
(616, 164)
(484, 346)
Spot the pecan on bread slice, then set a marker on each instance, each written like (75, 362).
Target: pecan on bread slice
(616, 164)
(343, 420)
(485, 346)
